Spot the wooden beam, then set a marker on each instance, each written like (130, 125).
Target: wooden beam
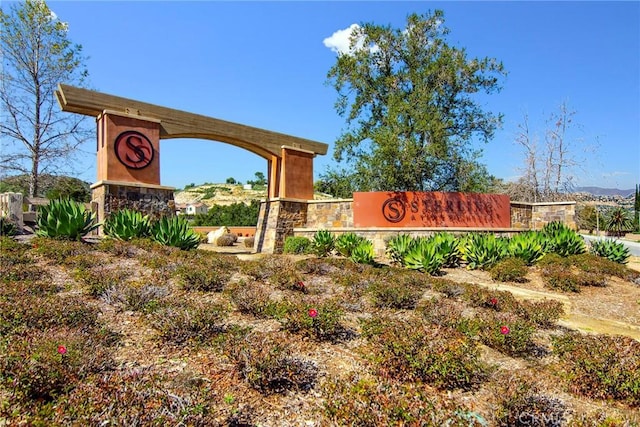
(181, 124)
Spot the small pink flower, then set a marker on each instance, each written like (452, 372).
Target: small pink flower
(493, 301)
(504, 330)
(313, 312)
(62, 349)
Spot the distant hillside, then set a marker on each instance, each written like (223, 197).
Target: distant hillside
(51, 186)
(598, 191)
(225, 194)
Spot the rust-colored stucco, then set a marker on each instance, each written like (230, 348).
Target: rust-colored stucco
(430, 209)
(296, 177)
(109, 168)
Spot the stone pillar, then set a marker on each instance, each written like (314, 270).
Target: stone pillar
(296, 176)
(276, 221)
(111, 196)
(128, 166)
(11, 208)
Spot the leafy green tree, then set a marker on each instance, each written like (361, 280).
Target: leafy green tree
(69, 188)
(408, 100)
(338, 183)
(586, 217)
(236, 214)
(37, 55)
(231, 180)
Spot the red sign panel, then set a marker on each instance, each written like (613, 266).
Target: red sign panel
(134, 150)
(431, 209)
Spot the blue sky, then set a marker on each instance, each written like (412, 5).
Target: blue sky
(264, 64)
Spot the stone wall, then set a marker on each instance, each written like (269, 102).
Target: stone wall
(330, 213)
(280, 218)
(153, 200)
(534, 216)
(276, 221)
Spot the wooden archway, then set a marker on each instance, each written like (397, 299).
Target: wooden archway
(290, 159)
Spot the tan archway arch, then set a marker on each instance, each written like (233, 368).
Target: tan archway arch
(128, 159)
(289, 158)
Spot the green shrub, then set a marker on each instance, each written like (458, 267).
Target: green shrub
(184, 322)
(359, 400)
(363, 253)
(523, 404)
(424, 255)
(322, 322)
(561, 240)
(418, 351)
(204, 274)
(390, 294)
(557, 276)
(507, 333)
(226, 240)
(448, 247)
(297, 245)
(483, 250)
(323, 243)
(591, 263)
(543, 313)
(136, 395)
(612, 250)
(601, 366)
(397, 248)
(175, 231)
(270, 366)
(253, 298)
(7, 227)
(528, 246)
(44, 365)
(65, 219)
(510, 269)
(127, 224)
(346, 243)
(99, 280)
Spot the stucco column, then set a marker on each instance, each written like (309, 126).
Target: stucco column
(296, 176)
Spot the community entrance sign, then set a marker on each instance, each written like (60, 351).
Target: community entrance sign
(128, 150)
(431, 209)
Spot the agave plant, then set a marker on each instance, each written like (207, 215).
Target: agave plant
(397, 248)
(7, 227)
(449, 247)
(363, 253)
(175, 231)
(65, 219)
(562, 240)
(423, 255)
(323, 243)
(612, 250)
(528, 246)
(347, 242)
(127, 224)
(483, 250)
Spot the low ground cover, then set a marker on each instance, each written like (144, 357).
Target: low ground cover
(139, 333)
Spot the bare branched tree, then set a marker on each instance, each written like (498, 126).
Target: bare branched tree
(37, 137)
(547, 173)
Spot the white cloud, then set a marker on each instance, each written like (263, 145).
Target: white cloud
(340, 41)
